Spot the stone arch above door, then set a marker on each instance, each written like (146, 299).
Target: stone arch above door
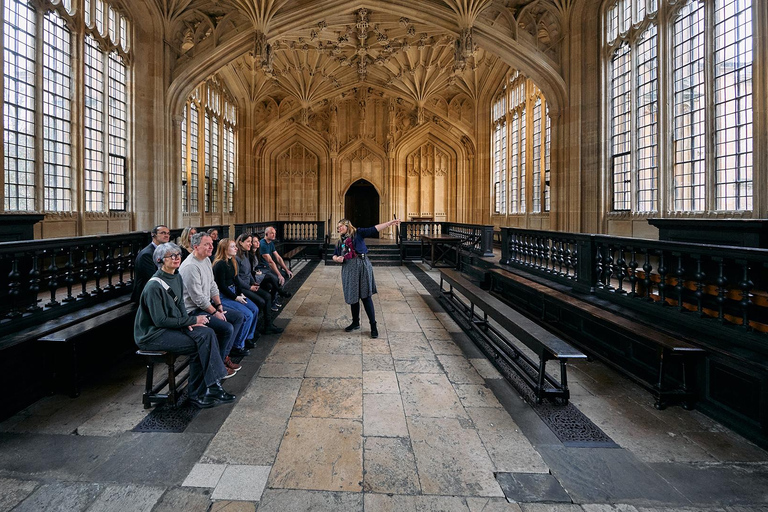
(361, 162)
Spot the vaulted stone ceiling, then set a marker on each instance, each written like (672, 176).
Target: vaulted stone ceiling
(357, 45)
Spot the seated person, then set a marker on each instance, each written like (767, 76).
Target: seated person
(201, 297)
(145, 267)
(225, 274)
(253, 288)
(186, 249)
(271, 258)
(162, 323)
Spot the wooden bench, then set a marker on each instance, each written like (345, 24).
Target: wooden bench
(295, 253)
(666, 346)
(174, 380)
(62, 345)
(543, 343)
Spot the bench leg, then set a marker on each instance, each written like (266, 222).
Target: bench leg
(660, 403)
(172, 381)
(145, 399)
(540, 384)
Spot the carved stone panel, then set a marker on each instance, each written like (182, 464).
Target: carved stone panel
(428, 171)
(297, 184)
(362, 163)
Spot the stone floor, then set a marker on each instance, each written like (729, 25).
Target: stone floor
(415, 420)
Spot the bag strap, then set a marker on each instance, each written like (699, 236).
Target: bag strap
(166, 287)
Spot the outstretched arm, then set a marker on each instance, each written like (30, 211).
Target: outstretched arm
(393, 222)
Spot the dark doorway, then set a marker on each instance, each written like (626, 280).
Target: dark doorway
(361, 205)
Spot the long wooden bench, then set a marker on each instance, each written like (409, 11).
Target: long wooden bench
(295, 253)
(543, 343)
(63, 345)
(666, 347)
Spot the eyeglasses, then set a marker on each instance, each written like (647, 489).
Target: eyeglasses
(163, 232)
(176, 255)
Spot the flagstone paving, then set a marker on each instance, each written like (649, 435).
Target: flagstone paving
(416, 420)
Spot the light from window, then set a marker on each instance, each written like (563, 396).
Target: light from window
(536, 161)
(547, 162)
(194, 152)
(621, 107)
(733, 104)
(207, 163)
(184, 165)
(94, 126)
(214, 164)
(689, 113)
(118, 135)
(646, 114)
(19, 105)
(232, 167)
(514, 157)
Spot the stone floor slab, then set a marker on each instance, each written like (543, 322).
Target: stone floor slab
(331, 365)
(400, 503)
(60, 497)
(411, 345)
(339, 343)
(460, 370)
(442, 443)
(188, 500)
(377, 346)
(13, 491)
(486, 369)
(282, 370)
(321, 454)
(204, 475)
(383, 415)
(419, 365)
(127, 498)
(242, 483)
(233, 506)
(507, 446)
(527, 487)
(491, 505)
(380, 382)
(430, 395)
(284, 500)
(723, 484)
(474, 395)
(378, 362)
(114, 419)
(390, 466)
(250, 436)
(330, 398)
(446, 347)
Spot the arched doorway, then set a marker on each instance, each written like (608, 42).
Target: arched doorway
(361, 204)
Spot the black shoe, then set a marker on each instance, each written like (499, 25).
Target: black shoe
(352, 327)
(374, 331)
(218, 394)
(239, 352)
(203, 401)
(273, 329)
(249, 344)
(284, 293)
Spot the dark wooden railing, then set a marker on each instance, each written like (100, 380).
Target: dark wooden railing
(475, 238)
(727, 284)
(310, 231)
(44, 279)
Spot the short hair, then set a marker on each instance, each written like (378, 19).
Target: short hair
(197, 239)
(211, 230)
(154, 229)
(268, 228)
(162, 250)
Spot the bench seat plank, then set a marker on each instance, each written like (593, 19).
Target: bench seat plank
(527, 331)
(80, 328)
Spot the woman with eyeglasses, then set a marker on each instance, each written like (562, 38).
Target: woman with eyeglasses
(162, 323)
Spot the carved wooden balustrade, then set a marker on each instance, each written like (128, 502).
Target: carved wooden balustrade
(728, 285)
(44, 279)
(475, 238)
(309, 231)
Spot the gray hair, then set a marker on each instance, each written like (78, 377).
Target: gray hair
(197, 239)
(162, 251)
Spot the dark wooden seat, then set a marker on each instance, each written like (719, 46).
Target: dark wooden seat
(543, 343)
(593, 316)
(175, 380)
(295, 253)
(63, 344)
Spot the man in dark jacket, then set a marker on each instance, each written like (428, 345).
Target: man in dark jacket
(145, 267)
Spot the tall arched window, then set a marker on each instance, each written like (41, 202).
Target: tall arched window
(520, 149)
(679, 71)
(46, 81)
(209, 143)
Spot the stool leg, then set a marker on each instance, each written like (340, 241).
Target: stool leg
(146, 400)
(172, 381)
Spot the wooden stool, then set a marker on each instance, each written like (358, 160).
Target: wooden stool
(174, 380)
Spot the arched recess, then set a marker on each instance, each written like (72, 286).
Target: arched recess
(292, 172)
(361, 160)
(431, 171)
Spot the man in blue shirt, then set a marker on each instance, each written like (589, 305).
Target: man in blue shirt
(271, 257)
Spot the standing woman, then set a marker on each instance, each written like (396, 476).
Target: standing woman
(225, 275)
(357, 271)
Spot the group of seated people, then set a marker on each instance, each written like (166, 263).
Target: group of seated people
(211, 307)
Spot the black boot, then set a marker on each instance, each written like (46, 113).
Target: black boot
(219, 394)
(273, 329)
(355, 325)
(374, 330)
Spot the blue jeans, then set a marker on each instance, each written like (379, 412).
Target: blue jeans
(225, 329)
(250, 314)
